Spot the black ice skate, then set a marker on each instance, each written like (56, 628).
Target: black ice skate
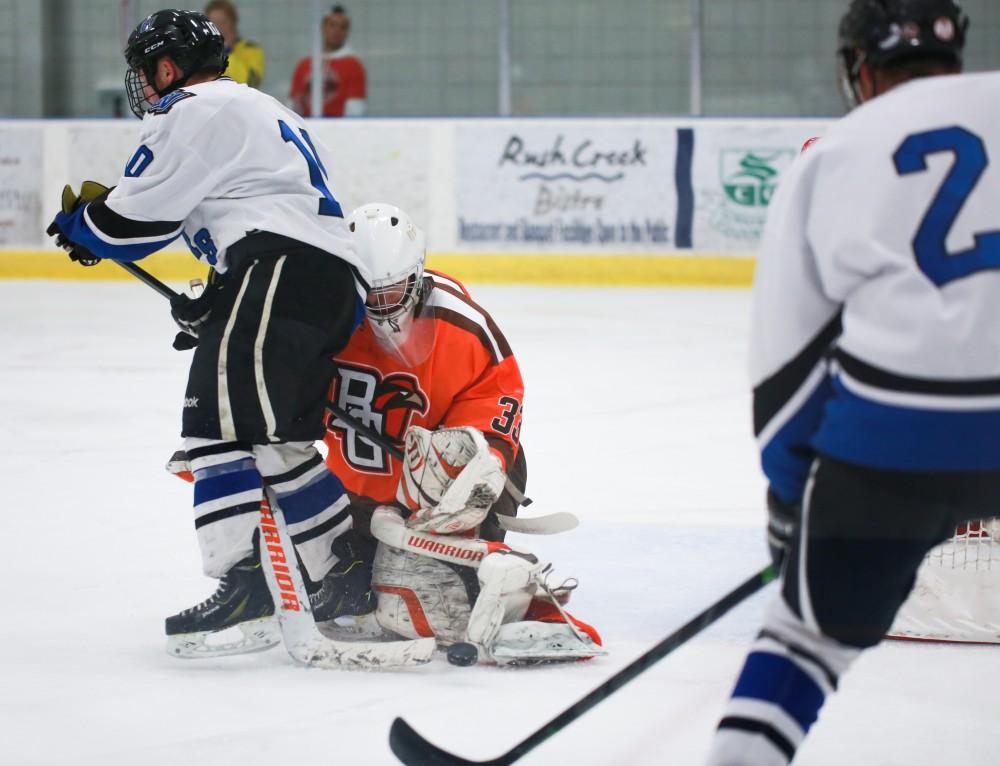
(347, 589)
(236, 619)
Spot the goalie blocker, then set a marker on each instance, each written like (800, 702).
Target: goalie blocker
(435, 577)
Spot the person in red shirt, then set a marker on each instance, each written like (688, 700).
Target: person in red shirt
(344, 78)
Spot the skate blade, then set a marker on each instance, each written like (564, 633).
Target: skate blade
(250, 636)
(355, 628)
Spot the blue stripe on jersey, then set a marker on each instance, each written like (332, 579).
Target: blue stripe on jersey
(244, 464)
(312, 499)
(861, 431)
(77, 231)
(787, 456)
(778, 680)
(225, 485)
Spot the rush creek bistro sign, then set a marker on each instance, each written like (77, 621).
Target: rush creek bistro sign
(620, 186)
(541, 186)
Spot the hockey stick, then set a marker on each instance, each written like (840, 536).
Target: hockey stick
(548, 524)
(413, 750)
(144, 276)
(302, 639)
(394, 449)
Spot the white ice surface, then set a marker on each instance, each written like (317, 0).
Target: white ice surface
(638, 420)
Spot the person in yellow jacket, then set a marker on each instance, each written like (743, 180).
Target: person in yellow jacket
(246, 59)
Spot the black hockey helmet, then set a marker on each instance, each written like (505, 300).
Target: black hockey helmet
(188, 37)
(884, 32)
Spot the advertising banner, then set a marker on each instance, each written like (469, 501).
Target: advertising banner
(20, 186)
(567, 186)
(736, 171)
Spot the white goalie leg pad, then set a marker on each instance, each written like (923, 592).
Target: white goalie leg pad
(450, 479)
(419, 597)
(531, 641)
(508, 581)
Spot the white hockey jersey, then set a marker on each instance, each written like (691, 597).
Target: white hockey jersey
(216, 161)
(876, 316)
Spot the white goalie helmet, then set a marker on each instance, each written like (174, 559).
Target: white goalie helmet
(395, 250)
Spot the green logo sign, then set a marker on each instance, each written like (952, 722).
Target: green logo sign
(749, 176)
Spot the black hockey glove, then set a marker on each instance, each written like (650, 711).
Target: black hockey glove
(184, 341)
(192, 313)
(89, 192)
(782, 523)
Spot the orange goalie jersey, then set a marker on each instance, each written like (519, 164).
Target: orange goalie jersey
(468, 378)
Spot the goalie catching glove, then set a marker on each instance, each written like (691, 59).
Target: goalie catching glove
(89, 192)
(451, 478)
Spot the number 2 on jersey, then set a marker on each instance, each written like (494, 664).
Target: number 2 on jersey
(317, 173)
(929, 244)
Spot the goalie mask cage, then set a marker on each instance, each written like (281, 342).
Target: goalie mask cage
(956, 596)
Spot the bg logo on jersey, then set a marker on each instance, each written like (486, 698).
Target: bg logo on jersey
(384, 404)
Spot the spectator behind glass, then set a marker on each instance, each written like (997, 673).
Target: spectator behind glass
(344, 88)
(246, 59)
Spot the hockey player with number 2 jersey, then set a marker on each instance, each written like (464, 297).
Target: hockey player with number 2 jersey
(237, 175)
(875, 355)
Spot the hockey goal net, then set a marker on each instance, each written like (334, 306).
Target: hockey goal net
(957, 592)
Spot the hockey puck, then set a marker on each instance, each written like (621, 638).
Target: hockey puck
(463, 654)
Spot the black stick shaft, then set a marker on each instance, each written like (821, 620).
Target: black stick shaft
(412, 749)
(369, 433)
(144, 276)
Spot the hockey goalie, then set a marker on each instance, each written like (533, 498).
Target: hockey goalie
(434, 577)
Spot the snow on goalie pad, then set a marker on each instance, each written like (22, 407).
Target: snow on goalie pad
(533, 642)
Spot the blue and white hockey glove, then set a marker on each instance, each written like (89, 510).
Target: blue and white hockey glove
(89, 192)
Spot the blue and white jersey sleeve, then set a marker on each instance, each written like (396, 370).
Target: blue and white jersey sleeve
(794, 324)
(163, 181)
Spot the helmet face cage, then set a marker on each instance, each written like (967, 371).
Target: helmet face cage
(390, 301)
(884, 32)
(188, 37)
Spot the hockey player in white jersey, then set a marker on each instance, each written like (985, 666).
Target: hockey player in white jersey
(875, 356)
(238, 176)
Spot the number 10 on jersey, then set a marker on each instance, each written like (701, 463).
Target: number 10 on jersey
(317, 173)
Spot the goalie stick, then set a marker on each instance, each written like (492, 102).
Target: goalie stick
(413, 750)
(302, 639)
(549, 524)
